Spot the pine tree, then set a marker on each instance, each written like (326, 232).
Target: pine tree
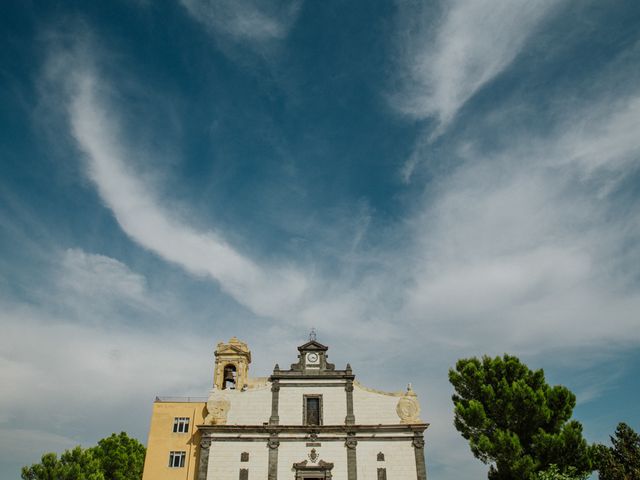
(515, 421)
(622, 460)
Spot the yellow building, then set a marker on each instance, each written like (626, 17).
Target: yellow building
(173, 429)
(174, 438)
(309, 422)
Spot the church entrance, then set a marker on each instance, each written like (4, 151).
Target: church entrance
(320, 471)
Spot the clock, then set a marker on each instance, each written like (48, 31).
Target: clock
(312, 357)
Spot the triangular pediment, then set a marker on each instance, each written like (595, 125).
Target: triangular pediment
(231, 350)
(313, 346)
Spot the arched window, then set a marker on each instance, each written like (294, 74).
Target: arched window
(229, 377)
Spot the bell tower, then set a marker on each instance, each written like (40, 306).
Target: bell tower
(231, 369)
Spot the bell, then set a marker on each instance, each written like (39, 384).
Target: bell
(228, 376)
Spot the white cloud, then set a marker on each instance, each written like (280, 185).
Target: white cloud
(523, 248)
(514, 251)
(273, 291)
(603, 139)
(248, 21)
(448, 56)
(505, 241)
(99, 276)
(72, 378)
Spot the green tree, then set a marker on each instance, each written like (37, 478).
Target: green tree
(622, 460)
(117, 457)
(515, 421)
(76, 464)
(554, 473)
(121, 457)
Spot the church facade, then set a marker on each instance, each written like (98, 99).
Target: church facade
(310, 421)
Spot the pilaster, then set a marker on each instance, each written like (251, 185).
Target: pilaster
(350, 419)
(418, 450)
(352, 467)
(203, 463)
(275, 400)
(273, 445)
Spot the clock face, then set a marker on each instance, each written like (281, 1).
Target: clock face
(312, 357)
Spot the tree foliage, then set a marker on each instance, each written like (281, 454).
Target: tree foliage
(121, 457)
(622, 460)
(75, 464)
(554, 473)
(117, 457)
(515, 421)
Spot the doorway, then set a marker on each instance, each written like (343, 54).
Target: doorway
(320, 471)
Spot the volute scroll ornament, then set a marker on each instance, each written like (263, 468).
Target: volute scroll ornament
(273, 443)
(418, 442)
(408, 408)
(350, 442)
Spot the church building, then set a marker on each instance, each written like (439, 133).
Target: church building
(310, 421)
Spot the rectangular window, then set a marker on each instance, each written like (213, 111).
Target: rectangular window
(176, 459)
(244, 474)
(382, 474)
(181, 425)
(313, 409)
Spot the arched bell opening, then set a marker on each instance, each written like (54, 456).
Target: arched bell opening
(229, 377)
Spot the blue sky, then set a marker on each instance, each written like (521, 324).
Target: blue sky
(420, 181)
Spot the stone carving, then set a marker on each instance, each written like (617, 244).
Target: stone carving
(313, 455)
(350, 442)
(218, 407)
(408, 408)
(418, 442)
(273, 443)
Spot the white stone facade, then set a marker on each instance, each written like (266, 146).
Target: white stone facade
(312, 422)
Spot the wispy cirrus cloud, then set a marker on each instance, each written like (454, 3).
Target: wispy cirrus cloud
(248, 21)
(446, 56)
(499, 237)
(266, 291)
(283, 291)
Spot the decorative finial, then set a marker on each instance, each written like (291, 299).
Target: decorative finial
(312, 334)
